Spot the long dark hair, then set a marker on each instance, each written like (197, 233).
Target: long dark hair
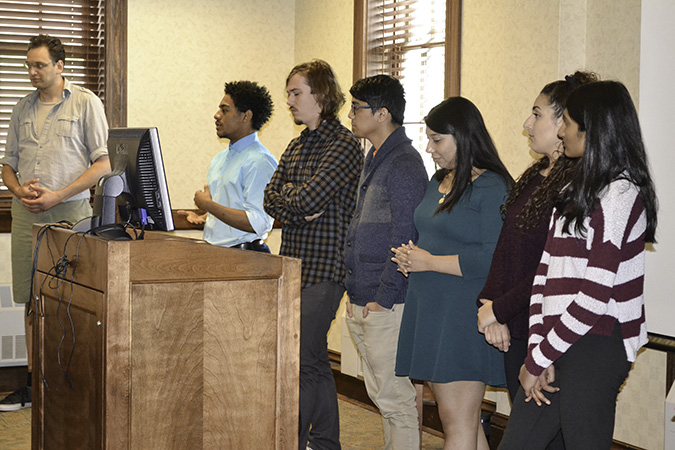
(459, 117)
(613, 150)
(538, 207)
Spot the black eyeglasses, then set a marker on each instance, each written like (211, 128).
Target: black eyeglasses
(357, 107)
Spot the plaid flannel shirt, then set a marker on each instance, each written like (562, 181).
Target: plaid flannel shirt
(318, 172)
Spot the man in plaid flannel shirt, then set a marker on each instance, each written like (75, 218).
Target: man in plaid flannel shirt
(313, 195)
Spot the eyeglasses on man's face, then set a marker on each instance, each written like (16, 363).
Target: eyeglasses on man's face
(356, 107)
(36, 65)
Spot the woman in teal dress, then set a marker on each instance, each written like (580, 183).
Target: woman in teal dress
(458, 222)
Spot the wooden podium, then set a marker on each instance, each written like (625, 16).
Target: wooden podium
(164, 343)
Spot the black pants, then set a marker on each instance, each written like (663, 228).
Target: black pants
(589, 375)
(318, 397)
(513, 361)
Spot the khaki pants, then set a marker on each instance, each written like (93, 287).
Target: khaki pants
(22, 238)
(376, 338)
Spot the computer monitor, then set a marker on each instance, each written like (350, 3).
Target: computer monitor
(136, 186)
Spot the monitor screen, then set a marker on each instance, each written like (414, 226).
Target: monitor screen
(136, 186)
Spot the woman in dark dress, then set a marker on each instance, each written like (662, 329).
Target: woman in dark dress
(458, 223)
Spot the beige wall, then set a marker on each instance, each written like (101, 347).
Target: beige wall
(509, 52)
(613, 41)
(511, 49)
(324, 30)
(181, 54)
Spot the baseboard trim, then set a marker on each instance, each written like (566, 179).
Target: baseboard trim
(12, 378)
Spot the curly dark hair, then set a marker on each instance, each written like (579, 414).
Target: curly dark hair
(559, 91)
(538, 207)
(249, 96)
(324, 85)
(56, 51)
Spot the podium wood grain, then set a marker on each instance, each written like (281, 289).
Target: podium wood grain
(178, 345)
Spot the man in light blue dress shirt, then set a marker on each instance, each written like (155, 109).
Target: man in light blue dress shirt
(232, 199)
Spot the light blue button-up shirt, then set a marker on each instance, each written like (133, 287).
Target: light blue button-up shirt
(237, 179)
(74, 135)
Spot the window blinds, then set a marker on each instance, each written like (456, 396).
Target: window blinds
(407, 40)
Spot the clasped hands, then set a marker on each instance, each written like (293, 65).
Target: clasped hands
(36, 198)
(410, 258)
(496, 334)
(533, 385)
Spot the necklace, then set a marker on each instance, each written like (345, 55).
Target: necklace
(442, 199)
(450, 178)
(447, 179)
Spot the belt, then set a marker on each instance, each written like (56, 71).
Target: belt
(257, 245)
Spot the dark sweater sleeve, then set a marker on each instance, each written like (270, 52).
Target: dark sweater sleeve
(514, 301)
(515, 262)
(494, 286)
(406, 185)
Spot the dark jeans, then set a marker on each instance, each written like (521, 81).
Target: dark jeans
(589, 375)
(318, 398)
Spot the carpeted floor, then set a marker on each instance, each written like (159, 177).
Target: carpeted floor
(360, 428)
(15, 429)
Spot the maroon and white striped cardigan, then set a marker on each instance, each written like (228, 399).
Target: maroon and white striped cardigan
(585, 284)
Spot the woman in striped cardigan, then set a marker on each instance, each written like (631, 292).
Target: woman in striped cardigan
(586, 311)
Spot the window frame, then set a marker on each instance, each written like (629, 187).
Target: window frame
(453, 37)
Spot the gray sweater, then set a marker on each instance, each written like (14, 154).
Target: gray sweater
(392, 184)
